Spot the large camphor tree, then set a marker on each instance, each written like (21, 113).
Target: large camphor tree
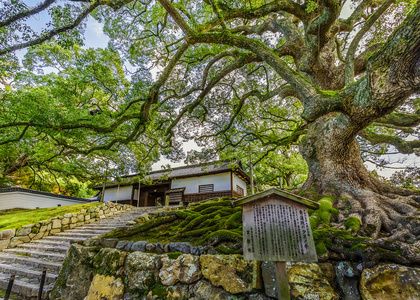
(235, 74)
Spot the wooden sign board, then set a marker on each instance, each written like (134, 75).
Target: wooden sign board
(276, 229)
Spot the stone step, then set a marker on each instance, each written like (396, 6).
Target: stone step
(117, 226)
(124, 217)
(76, 235)
(104, 224)
(23, 287)
(89, 231)
(64, 238)
(44, 255)
(113, 228)
(107, 228)
(52, 243)
(116, 223)
(31, 261)
(24, 271)
(109, 224)
(41, 247)
(91, 228)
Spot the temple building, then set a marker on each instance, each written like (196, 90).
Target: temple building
(185, 184)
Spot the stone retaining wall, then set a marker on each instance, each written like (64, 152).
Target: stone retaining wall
(100, 272)
(95, 272)
(12, 237)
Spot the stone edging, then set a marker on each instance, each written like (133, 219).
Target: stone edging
(10, 238)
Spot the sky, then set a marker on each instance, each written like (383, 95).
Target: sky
(95, 38)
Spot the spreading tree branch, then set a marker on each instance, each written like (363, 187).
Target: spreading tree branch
(246, 13)
(406, 147)
(389, 80)
(176, 16)
(137, 130)
(27, 13)
(241, 60)
(17, 138)
(19, 163)
(318, 32)
(50, 34)
(400, 119)
(348, 24)
(282, 92)
(349, 74)
(153, 96)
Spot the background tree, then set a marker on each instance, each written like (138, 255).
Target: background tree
(231, 71)
(408, 178)
(67, 122)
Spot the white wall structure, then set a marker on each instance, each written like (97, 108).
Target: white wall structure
(123, 194)
(18, 199)
(221, 182)
(240, 182)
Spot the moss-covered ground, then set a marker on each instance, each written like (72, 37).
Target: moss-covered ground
(217, 224)
(16, 218)
(213, 222)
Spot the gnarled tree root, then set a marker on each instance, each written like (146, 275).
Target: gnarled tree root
(389, 228)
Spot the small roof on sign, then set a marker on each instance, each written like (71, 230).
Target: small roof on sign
(276, 191)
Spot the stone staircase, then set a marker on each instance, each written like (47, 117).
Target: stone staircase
(27, 261)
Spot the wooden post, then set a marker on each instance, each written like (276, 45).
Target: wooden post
(132, 195)
(231, 183)
(41, 286)
(138, 196)
(252, 172)
(103, 192)
(9, 287)
(282, 281)
(118, 190)
(103, 186)
(146, 198)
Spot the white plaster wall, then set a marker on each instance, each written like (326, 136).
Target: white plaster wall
(221, 182)
(240, 182)
(123, 194)
(28, 200)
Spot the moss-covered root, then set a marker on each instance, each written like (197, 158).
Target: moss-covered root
(223, 236)
(353, 223)
(323, 214)
(210, 203)
(235, 221)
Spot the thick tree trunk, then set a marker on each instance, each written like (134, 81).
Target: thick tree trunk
(287, 179)
(333, 157)
(336, 168)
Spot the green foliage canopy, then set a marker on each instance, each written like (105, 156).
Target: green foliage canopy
(229, 74)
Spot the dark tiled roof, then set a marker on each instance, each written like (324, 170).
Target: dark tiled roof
(193, 170)
(20, 189)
